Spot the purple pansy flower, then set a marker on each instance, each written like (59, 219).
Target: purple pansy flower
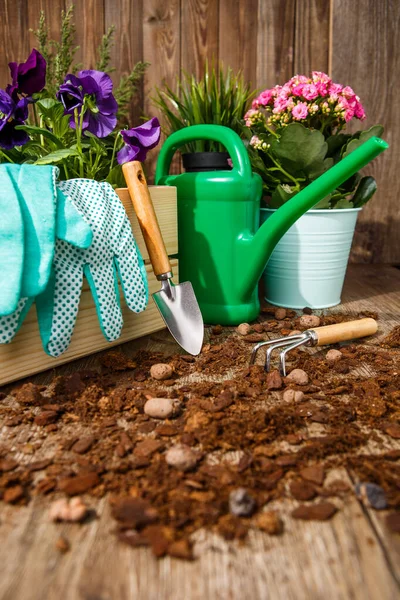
(28, 77)
(93, 90)
(11, 114)
(139, 140)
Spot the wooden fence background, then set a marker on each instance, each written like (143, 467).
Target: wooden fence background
(270, 40)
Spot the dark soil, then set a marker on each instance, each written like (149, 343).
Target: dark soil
(88, 434)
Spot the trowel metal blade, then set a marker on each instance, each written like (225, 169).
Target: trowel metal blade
(179, 308)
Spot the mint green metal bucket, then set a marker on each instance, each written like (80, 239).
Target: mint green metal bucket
(308, 265)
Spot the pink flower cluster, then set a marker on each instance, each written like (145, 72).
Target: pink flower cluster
(310, 100)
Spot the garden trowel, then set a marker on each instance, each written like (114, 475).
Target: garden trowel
(177, 303)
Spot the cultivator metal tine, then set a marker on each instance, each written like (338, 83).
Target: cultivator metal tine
(282, 355)
(274, 344)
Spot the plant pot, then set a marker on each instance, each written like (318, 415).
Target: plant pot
(206, 161)
(308, 265)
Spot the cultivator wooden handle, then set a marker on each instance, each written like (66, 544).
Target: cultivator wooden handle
(348, 330)
(320, 336)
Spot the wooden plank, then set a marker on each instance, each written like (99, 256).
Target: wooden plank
(161, 38)
(25, 355)
(341, 556)
(312, 48)
(365, 56)
(89, 20)
(238, 26)
(14, 36)
(275, 42)
(127, 16)
(199, 35)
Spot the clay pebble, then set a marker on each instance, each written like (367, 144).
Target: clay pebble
(161, 371)
(181, 457)
(310, 321)
(298, 376)
(160, 408)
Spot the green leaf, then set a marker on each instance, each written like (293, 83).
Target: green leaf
(32, 130)
(335, 145)
(360, 137)
(343, 203)
(365, 191)
(301, 151)
(324, 203)
(57, 156)
(280, 195)
(116, 177)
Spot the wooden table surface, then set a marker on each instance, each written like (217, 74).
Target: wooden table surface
(351, 556)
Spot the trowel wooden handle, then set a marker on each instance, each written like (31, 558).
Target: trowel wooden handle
(349, 330)
(141, 200)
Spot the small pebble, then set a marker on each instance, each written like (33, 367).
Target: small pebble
(373, 495)
(243, 329)
(307, 310)
(74, 510)
(161, 371)
(13, 494)
(241, 504)
(270, 522)
(333, 355)
(290, 395)
(160, 408)
(298, 376)
(310, 321)
(181, 457)
(62, 544)
(295, 332)
(280, 314)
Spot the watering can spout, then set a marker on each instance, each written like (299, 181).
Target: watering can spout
(258, 247)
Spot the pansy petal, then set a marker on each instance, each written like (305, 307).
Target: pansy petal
(103, 81)
(98, 124)
(127, 153)
(31, 74)
(107, 106)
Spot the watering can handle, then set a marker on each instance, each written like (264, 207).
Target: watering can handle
(216, 133)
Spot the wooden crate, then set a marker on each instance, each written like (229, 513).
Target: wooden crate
(25, 356)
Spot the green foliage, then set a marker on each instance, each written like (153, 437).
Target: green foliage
(217, 98)
(60, 55)
(127, 88)
(104, 52)
(291, 157)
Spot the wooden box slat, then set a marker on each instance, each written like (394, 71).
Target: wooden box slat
(24, 356)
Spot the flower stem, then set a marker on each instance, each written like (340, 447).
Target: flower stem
(78, 127)
(296, 183)
(35, 118)
(114, 151)
(7, 157)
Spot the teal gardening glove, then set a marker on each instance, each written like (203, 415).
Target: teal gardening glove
(113, 250)
(33, 213)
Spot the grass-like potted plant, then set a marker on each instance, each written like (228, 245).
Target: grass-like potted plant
(295, 132)
(218, 98)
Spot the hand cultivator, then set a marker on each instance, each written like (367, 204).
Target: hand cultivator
(320, 336)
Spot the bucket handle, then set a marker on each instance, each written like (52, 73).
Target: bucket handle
(217, 133)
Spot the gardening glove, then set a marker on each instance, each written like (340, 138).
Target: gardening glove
(112, 251)
(34, 213)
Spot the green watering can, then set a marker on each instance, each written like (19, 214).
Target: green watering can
(222, 249)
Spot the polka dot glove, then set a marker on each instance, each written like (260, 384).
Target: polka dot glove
(113, 252)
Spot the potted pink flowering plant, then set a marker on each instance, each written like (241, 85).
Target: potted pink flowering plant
(295, 132)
